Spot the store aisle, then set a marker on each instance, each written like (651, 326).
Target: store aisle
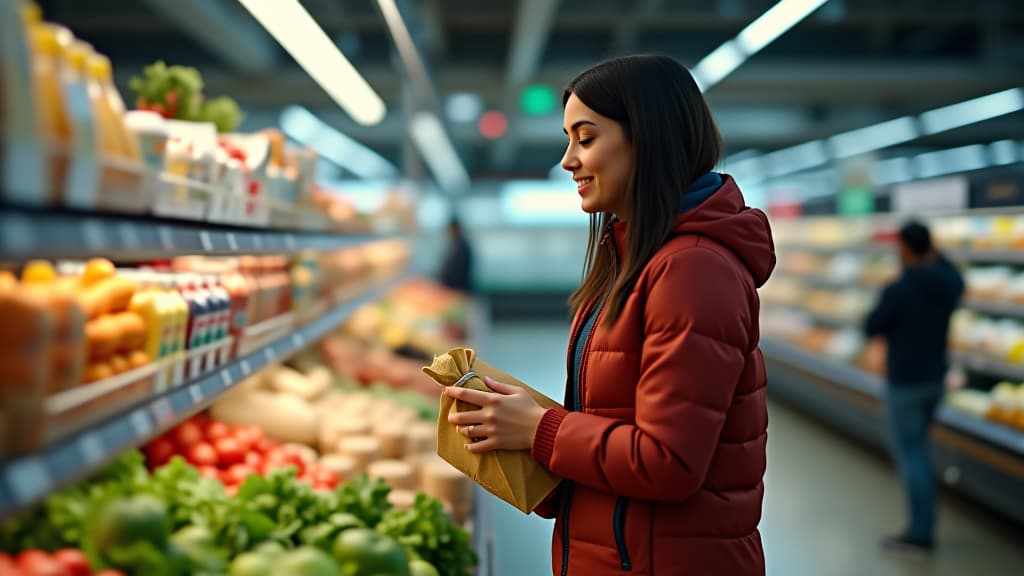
(828, 500)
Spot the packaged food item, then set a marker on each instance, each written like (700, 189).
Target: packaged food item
(23, 121)
(81, 188)
(121, 182)
(52, 113)
(25, 350)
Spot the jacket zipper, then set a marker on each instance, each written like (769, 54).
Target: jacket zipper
(619, 528)
(578, 405)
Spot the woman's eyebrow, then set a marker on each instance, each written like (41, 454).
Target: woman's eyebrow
(577, 124)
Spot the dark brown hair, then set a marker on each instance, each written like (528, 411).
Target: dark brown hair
(674, 141)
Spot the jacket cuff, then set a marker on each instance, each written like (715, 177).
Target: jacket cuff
(544, 438)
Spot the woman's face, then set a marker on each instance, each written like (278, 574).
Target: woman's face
(600, 158)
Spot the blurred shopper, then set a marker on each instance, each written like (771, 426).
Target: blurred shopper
(662, 439)
(457, 268)
(913, 316)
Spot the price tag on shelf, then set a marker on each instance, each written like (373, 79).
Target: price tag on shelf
(17, 234)
(246, 370)
(91, 448)
(257, 241)
(94, 234)
(232, 242)
(140, 423)
(225, 378)
(166, 237)
(195, 394)
(129, 235)
(162, 411)
(28, 479)
(204, 239)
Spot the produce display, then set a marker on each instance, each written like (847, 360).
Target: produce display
(174, 521)
(83, 324)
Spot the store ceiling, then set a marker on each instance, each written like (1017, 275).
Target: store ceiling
(851, 64)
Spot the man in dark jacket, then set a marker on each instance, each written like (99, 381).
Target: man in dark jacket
(913, 316)
(457, 268)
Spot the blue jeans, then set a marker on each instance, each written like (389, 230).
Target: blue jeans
(911, 408)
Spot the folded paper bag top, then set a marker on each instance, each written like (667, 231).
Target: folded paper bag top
(512, 475)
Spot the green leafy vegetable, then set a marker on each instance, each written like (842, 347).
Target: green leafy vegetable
(428, 533)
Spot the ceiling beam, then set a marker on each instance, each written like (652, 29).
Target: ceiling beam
(232, 35)
(533, 25)
(625, 35)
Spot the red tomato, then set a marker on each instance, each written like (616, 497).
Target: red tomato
(216, 430)
(247, 436)
(201, 454)
(7, 566)
(254, 460)
(231, 489)
(237, 474)
(187, 435)
(159, 451)
(229, 451)
(275, 459)
(327, 478)
(264, 445)
(110, 572)
(210, 472)
(75, 561)
(39, 563)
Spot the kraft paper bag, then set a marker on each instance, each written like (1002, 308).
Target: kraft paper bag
(512, 475)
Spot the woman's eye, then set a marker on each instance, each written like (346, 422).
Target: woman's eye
(585, 141)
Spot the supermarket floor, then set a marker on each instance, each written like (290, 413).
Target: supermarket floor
(828, 500)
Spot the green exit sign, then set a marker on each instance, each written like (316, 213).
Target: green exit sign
(854, 201)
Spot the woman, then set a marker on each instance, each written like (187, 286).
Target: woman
(662, 439)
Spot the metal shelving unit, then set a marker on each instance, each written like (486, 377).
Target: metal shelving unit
(37, 234)
(29, 478)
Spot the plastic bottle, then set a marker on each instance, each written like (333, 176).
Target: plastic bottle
(47, 42)
(23, 162)
(146, 303)
(81, 190)
(113, 107)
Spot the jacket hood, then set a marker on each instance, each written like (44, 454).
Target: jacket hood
(720, 213)
(724, 217)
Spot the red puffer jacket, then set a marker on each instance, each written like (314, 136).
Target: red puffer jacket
(664, 464)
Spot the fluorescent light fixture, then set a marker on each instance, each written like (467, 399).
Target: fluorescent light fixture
(962, 159)
(796, 158)
(874, 137)
(775, 22)
(437, 151)
(299, 34)
(971, 111)
(723, 60)
(717, 65)
(304, 127)
(1004, 152)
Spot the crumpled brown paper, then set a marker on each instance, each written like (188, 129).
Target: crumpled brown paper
(512, 475)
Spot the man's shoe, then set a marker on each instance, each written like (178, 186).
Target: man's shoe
(905, 544)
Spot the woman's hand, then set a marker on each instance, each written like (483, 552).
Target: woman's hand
(506, 420)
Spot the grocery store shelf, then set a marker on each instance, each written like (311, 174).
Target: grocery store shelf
(990, 366)
(66, 234)
(869, 248)
(996, 434)
(977, 255)
(1009, 309)
(842, 374)
(27, 479)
